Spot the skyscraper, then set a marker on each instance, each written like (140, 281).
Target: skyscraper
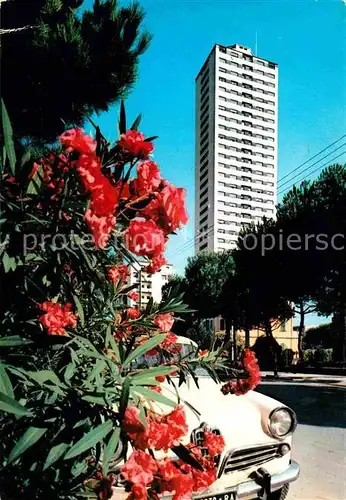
(236, 144)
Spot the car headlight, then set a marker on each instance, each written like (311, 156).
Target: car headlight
(282, 421)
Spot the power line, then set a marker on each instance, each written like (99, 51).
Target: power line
(310, 166)
(314, 171)
(312, 158)
(192, 241)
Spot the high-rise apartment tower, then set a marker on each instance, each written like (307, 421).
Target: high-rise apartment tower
(236, 144)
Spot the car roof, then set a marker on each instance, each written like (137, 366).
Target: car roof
(185, 340)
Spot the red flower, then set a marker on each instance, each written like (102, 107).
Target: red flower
(214, 443)
(35, 167)
(168, 208)
(203, 354)
(139, 469)
(104, 196)
(157, 262)
(133, 143)
(164, 322)
(161, 433)
(169, 343)
(132, 313)
(101, 227)
(244, 385)
(131, 421)
(116, 273)
(160, 378)
(143, 237)
(203, 479)
(148, 177)
(134, 296)
(57, 317)
(76, 139)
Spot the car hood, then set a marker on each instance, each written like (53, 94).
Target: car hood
(242, 420)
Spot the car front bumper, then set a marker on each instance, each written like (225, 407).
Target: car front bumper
(252, 489)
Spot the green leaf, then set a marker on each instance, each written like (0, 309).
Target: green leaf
(124, 397)
(122, 119)
(110, 341)
(154, 396)
(149, 307)
(136, 123)
(98, 400)
(29, 438)
(25, 158)
(10, 405)
(5, 382)
(90, 439)
(43, 376)
(152, 373)
(35, 184)
(149, 139)
(13, 340)
(54, 454)
(110, 450)
(79, 308)
(8, 137)
(143, 348)
(8, 262)
(186, 456)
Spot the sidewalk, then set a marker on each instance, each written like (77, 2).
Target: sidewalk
(305, 378)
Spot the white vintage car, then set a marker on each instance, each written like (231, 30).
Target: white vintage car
(257, 460)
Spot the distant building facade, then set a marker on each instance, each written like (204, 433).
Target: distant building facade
(149, 285)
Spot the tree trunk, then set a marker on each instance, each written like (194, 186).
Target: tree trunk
(247, 336)
(301, 331)
(227, 336)
(268, 328)
(235, 354)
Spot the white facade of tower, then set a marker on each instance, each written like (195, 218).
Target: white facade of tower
(236, 145)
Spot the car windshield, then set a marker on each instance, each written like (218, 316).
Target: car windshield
(188, 351)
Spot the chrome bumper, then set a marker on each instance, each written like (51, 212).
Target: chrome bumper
(251, 488)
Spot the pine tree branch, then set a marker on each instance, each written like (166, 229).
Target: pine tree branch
(14, 30)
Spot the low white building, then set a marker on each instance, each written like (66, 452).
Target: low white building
(149, 285)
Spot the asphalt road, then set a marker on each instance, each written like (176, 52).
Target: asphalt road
(320, 439)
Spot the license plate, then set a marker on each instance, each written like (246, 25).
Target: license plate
(231, 495)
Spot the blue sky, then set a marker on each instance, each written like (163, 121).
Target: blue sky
(307, 40)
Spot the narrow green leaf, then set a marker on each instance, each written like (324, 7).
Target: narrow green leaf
(122, 119)
(136, 123)
(149, 139)
(98, 400)
(55, 453)
(43, 376)
(13, 340)
(8, 137)
(154, 396)
(35, 184)
(149, 307)
(8, 262)
(25, 158)
(5, 382)
(152, 373)
(110, 341)
(10, 405)
(110, 450)
(29, 438)
(80, 310)
(124, 397)
(143, 348)
(78, 468)
(90, 440)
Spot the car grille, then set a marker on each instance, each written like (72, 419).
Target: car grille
(248, 457)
